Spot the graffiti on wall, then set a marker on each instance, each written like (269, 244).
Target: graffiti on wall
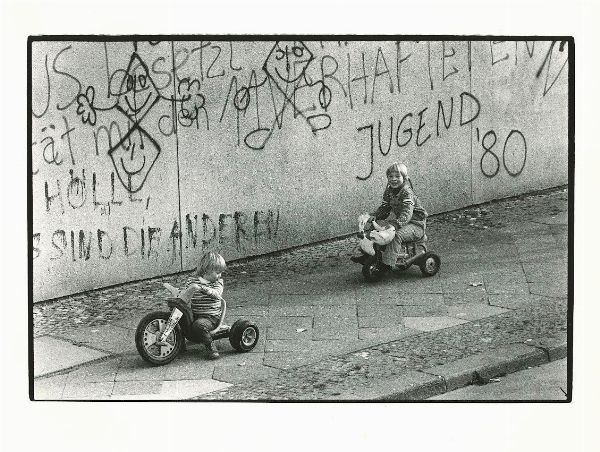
(241, 230)
(97, 140)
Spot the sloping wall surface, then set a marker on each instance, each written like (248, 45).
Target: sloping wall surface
(145, 154)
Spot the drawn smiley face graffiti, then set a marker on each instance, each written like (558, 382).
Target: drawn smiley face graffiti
(288, 61)
(133, 158)
(137, 94)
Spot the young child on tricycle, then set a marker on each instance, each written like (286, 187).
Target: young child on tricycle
(391, 236)
(197, 313)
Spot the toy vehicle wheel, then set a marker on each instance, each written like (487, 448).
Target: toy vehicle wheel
(370, 270)
(429, 264)
(243, 335)
(147, 334)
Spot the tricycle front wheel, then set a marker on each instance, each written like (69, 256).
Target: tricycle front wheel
(370, 270)
(147, 335)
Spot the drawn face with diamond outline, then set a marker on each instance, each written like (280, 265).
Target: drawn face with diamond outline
(134, 156)
(288, 61)
(138, 93)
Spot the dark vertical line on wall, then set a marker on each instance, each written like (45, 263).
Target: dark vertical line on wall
(429, 64)
(107, 68)
(29, 221)
(571, 204)
(177, 156)
(471, 124)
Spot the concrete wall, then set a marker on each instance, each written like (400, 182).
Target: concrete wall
(146, 154)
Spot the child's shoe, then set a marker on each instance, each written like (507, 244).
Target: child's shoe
(359, 259)
(212, 351)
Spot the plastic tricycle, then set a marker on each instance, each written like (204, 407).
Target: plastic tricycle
(160, 335)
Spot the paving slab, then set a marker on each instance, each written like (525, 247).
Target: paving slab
(167, 390)
(49, 388)
(51, 355)
(465, 283)
(393, 320)
(378, 310)
(509, 287)
(474, 311)
(289, 360)
(237, 360)
(289, 332)
(437, 309)
(549, 289)
(103, 371)
(133, 368)
(431, 323)
(189, 367)
(419, 299)
(331, 299)
(111, 338)
(513, 301)
(136, 387)
(250, 372)
(88, 391)
(385, 334)
(452, 299)
(186, 389)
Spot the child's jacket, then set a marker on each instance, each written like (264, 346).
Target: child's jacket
(206, 304)
(405, 206)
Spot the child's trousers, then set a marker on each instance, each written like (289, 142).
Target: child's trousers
(202, 327)
(407, 233)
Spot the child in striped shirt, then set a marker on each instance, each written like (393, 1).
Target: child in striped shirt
(208, 305)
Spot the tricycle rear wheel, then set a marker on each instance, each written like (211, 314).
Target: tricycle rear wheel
(243, 335)
(429, 264)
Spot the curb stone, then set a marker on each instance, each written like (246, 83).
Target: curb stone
(555, 348)
(412, 385)
(482, 367)
(418, 385)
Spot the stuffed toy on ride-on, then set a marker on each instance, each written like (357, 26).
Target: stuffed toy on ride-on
(373, 239)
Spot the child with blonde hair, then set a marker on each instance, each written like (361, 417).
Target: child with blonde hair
(403, 210)
(208, 306)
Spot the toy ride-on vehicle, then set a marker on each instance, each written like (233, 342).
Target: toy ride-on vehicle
(160, 336)
(373, 239)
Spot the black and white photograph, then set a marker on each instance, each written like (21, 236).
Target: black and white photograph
(285, 218)
(314, 226)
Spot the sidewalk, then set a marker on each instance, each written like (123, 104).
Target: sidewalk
(498, 304)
